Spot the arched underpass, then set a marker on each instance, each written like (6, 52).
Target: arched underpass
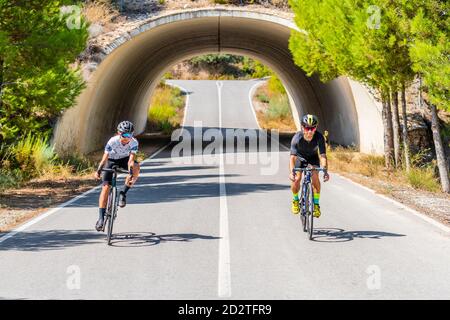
(122, 85)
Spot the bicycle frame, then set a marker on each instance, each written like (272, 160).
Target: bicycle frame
(306, 201)
(112, 204)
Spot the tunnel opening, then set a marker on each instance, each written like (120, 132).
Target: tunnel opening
(266, 95)
(123, 83)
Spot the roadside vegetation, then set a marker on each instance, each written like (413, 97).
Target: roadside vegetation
(421, 176)
(32, 157)
(272, 106)
(38, 81)
(166, 109)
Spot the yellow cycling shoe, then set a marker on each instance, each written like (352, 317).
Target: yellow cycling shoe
(295, 207)
(316, 212)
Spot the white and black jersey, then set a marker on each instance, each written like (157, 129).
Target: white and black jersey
(116, 150)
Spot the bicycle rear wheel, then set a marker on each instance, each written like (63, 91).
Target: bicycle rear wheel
(111, 214)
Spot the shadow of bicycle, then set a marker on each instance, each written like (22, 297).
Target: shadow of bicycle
(146, 239)
(341, 235)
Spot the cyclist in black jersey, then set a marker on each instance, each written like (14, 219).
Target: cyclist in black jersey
(307, 148)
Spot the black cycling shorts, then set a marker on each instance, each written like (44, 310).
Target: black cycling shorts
(314, 160)
(122, 163)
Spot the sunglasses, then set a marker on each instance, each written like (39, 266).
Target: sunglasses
(127, 135)
(310, 128)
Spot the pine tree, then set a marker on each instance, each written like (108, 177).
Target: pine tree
(37, 45)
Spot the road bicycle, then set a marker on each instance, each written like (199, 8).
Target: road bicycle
(113, 200)
(306, 200)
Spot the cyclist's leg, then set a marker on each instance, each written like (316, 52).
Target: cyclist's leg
(295, 188)
(103, 198)
(316, 182)
(295, 185)
(316, 186)
(136, 171)
(106, 184)
(123, 163)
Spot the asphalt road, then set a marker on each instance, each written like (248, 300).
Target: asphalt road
(204, 226)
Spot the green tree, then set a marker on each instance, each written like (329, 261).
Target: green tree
(342, 38)
(409, 38)
(430, 53)
(37, 45)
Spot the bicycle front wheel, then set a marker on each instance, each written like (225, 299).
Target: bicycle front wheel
(310, 216)
(113, 208)
(309, 210)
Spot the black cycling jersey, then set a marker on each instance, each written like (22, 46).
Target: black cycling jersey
(308, 149)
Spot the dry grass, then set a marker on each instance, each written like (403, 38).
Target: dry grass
(348, 160)
(166, 109)
(100, 12)
(272, 110)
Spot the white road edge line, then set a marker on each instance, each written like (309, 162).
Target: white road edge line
(224, 274)
(65, 204)
(250, 100)
(399, 205)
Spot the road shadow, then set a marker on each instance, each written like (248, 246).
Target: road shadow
(147, 239)
(151, 169)
(35, 241)
(341, 235)
(165, 193)
(200, 140)
(174, 179)
(51, 240)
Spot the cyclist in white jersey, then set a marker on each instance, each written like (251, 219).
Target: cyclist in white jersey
(120, 150)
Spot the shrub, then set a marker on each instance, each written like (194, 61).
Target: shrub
(343, 154)
(275, 85)
(279, 107)
(32, 155)
(263, 97)
(423, 178)
(165, 108)
(10, 179)
(370, 165)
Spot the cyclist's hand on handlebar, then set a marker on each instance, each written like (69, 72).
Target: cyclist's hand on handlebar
(326, 177)
(292, 176)
(97, 175)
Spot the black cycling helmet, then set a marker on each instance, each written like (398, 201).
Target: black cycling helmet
(309, 120)
(125, 127)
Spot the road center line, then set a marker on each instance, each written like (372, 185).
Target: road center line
(224, 274)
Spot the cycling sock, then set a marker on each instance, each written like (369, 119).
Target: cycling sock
(125, 189)
(316, 198)
(101, 212)
(296, 196)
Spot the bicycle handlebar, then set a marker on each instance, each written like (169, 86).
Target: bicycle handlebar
(115, 169)
(308, 169)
